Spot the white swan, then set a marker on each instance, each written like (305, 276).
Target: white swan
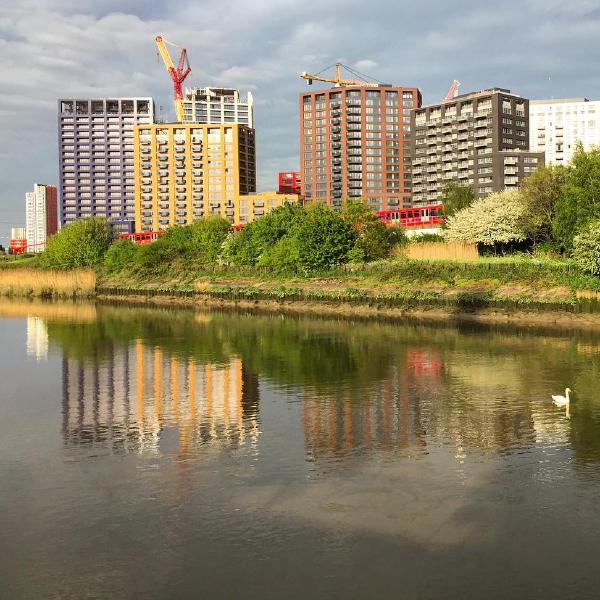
(562, 400)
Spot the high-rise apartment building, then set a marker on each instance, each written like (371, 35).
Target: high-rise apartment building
(354, 142)
(290, 182)
(186, 171)
(557, 126)
(41, 216)
(95, 151)
(211, 105)
(479, 139)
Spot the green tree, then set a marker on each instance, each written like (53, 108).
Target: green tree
(541, 192)
(496, 219)
(373, 241)
(579, 200)
(456, 197)
(324, 238)
(586, 248)
(81, 243)
(120, 256)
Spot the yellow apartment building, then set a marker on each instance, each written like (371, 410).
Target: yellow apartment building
(185, 171)
(252, 206)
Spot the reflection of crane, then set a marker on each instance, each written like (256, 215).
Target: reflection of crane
(178, 74)
(337, 80)
(453, 91)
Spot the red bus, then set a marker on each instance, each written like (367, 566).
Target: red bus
(419, 216)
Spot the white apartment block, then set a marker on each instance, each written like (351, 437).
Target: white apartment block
(557, 125)
(211, 105)
(40, 216)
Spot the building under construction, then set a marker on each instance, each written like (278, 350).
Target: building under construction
(217, 105)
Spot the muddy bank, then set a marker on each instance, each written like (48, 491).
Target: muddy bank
(553, 318)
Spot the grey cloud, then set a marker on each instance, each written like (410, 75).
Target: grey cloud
(53, 48)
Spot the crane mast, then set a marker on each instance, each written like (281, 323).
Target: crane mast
(177, 73)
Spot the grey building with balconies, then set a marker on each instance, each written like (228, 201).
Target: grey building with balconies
(95, 154)
(479, 139)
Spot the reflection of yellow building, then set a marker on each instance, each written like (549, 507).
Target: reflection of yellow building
(131, 398)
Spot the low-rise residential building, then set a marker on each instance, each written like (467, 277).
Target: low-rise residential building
(18, 240)
(41, 216)
(252, 206)
(558, 125)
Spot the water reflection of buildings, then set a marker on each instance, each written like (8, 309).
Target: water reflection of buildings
(37, 338)
(427, 398)
(381, 417)
(136, 397)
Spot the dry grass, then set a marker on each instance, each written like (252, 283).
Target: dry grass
(47, 284)
(441, 251)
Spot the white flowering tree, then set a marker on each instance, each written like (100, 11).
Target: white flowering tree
(496, 219)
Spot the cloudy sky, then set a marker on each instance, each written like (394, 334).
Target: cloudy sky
(87, 48)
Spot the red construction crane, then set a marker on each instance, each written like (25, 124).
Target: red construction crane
(178, 74)
(453, 91)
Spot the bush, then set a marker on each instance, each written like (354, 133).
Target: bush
(238, 249)
(586, 248)
(282, 256)
(207, 236)
(324, 239)
(157, 256)
(373, 240)
(81, 243)
(397, 236)
(120, 256)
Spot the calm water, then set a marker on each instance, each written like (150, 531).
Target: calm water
(154, 454)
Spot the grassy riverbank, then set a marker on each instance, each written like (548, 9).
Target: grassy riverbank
(394, 282)
(507, 283)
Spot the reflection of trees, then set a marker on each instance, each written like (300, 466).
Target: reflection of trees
(372, 386)
(291, 352)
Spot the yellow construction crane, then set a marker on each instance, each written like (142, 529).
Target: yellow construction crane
(177, 74)
(338, 81)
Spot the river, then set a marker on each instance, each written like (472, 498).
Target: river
(153, 453)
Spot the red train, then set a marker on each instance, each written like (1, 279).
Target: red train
(419, 216)
(143, 237)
